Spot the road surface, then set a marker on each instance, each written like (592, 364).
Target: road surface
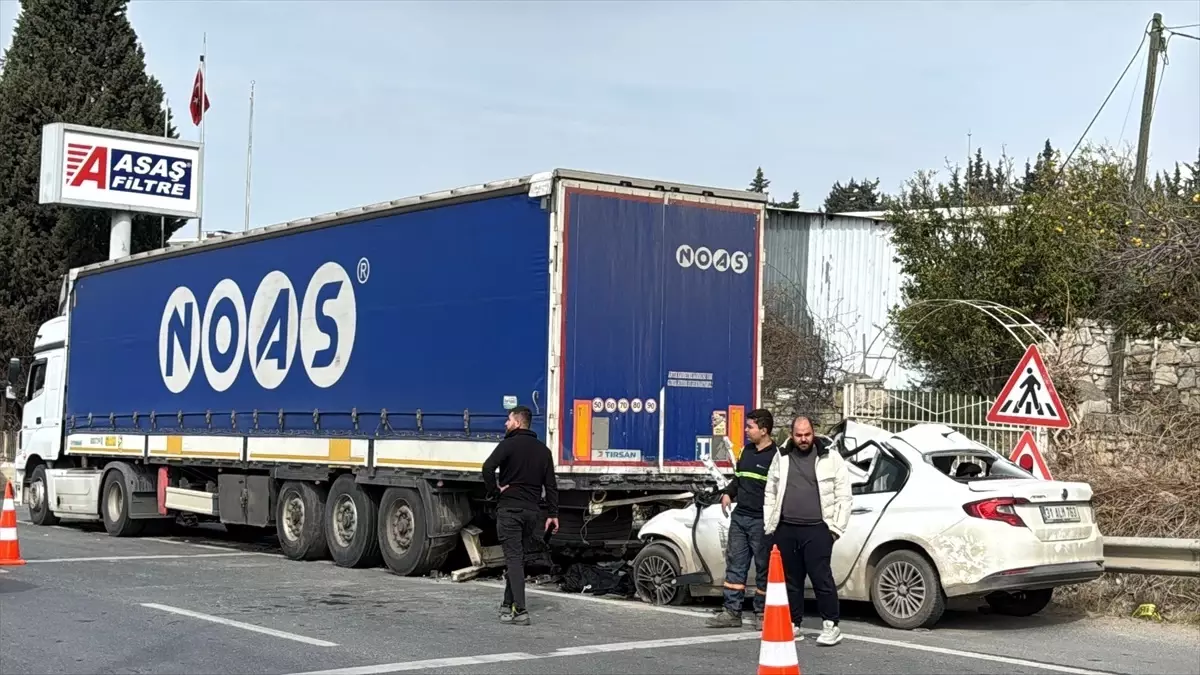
(87, 603)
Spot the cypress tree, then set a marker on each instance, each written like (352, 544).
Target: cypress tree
(74, 61)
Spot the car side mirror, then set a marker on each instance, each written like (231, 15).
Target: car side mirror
(14, 370)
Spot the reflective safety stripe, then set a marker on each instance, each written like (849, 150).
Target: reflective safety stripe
(735, 587)
(754, 476)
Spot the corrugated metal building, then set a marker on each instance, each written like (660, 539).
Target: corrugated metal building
(838, 274)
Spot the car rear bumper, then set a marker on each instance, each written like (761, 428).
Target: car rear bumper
(1031, 578)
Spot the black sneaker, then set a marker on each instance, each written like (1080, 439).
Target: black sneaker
(520, 618)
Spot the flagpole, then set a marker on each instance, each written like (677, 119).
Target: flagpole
(203, 88)
(249, 157)
(166, 134)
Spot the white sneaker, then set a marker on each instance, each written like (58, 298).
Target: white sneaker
(830, 634)
(797, 634)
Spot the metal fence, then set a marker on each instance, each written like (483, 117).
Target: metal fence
(898, 409)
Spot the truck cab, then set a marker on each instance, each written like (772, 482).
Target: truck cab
(39, 441)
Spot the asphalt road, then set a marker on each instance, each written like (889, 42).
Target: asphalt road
(200, 603)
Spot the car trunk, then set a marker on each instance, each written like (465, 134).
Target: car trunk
(1057, 510)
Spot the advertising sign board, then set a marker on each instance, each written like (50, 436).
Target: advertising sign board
(120, 171)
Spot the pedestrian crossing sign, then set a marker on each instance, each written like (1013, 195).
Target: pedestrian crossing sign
(1029, 397)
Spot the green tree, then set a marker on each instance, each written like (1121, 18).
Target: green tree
(759, 183)
(854, 196)
(75, 61)
(1083, 244)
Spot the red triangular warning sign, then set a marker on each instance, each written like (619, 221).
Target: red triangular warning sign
(1029, 397)
(1027, 456)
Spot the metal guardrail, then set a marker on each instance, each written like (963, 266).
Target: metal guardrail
(1147, 555)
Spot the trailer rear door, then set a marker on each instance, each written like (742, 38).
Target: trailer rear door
(659, 344)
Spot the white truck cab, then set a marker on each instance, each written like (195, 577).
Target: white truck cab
(40, 439)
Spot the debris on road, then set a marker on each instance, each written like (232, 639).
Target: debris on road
(606, 578)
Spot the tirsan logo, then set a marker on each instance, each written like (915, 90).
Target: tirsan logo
(128, 171)
(220, 334)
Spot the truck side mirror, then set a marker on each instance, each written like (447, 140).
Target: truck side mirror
(14, 370)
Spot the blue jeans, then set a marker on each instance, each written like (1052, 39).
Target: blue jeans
(746, 543)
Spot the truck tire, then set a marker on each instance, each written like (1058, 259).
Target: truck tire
(351, 524)
(403, 541)
(38, 498)
(299, 513)
(114, 507)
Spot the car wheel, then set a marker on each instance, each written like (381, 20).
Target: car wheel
(655, 569)
(1020, 603)
(906, 591)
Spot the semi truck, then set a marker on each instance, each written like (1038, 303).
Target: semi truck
(342, 378)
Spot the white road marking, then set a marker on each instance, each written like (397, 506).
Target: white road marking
(238, 624)
(168, 556)
(3, 571)
(188, 543)
(975, 655)
(625, 604)
(582, 650)
(860, 638)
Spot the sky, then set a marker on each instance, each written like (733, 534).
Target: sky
(358, 102)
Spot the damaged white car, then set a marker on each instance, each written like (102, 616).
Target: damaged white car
(935, 516)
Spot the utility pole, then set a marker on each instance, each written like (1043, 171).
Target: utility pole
(1120, 338)
(1143, 146)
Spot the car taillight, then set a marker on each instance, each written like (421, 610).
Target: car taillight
(999, 508)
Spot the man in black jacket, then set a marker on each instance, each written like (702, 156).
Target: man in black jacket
(526, 469)
(746, 540)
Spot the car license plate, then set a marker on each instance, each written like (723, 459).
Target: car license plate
(1060, 514)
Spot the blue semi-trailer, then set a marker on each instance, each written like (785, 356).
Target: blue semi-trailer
(342, 378)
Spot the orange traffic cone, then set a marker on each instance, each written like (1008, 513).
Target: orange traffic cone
(10, 550)
(777, 655)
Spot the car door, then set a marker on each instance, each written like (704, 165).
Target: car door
(885, 477)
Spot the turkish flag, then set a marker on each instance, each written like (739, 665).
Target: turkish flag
(198, 91)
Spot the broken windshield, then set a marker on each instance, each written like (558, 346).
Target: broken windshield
(966, 466)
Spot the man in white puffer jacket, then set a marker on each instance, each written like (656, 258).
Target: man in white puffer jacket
(805, 510)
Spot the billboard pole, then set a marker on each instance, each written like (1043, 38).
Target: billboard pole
(119, 234)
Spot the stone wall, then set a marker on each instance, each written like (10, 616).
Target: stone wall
(1159, 370)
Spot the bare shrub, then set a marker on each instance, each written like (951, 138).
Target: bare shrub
(799, 374)
(1144, 469)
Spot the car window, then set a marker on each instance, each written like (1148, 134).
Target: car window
(882, 471)
(37, 379)
(967, 466)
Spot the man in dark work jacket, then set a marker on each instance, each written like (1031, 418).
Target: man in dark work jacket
(526, 469)
(746, 540)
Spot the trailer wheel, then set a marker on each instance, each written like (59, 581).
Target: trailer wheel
(406, 549)
(39, 498)
(351, 528)
(298, 515)
(114, 507)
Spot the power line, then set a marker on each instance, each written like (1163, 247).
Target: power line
(1186, 35)
(1161, 76)
(1190, 25)
(1132, 60)
(1129, 108)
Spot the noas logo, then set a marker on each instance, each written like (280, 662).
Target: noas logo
(220, 334)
